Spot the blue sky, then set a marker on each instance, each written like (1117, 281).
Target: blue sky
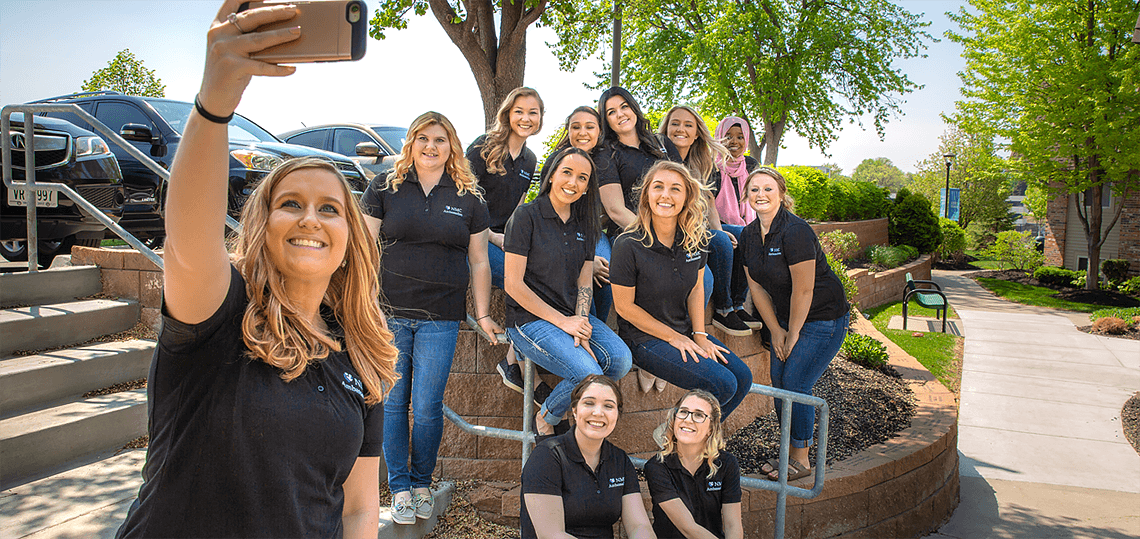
(49, 47)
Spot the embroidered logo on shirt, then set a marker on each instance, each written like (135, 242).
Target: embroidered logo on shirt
(713, 485)
(353, 384)
(774, 251)
(617, 482)
(692, 257)
(452, 210)
(581, 237)
(525, 174)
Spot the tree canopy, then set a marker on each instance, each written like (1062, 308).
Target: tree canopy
(1061, 82)
(882, 172)
(127, 75)
(806, 66)
(982, 175)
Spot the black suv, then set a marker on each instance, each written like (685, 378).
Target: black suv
(67, 154)
(154, 126)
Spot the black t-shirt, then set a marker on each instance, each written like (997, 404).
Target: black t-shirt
(791, 241)
(237, 452)
(663, 278)
(424, 241)
(716, 182)
(625, 165)
(591, 500)
(703, 496)
(502, 191)
(555, 254)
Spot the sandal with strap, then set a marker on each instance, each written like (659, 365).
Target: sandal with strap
(796, 470)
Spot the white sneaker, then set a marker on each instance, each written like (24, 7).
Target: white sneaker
(403, 510)
(424, 504)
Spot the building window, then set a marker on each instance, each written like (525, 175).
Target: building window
(1082, 263)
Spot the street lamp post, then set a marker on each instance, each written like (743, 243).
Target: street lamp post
(949, 160)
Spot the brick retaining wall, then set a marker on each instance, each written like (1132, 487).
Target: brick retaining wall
(870, 232)
(886, 286)
(126, 273)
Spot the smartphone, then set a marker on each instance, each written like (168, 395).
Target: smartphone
(331, 31)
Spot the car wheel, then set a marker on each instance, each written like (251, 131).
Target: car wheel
(17, 250)
(155, 243)
(14, 250)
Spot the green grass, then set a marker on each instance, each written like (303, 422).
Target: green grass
(984, 262)
(940, 353)
(1033, 295)
(112, 243)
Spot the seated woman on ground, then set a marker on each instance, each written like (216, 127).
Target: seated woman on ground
(695, 484)
(549, 267)
(560, 494)
(263, 387)
(657, 275)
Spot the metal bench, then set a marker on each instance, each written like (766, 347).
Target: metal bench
(931, 299)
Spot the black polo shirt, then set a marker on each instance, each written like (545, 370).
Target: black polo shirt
(554, 251)
(702, 495)
(663, 278)
(716, 181)
(423, 241)
(625, 165)
(791, 241)
(502, 191)
(591, 500)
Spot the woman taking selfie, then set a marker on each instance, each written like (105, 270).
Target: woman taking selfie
(432, 223)
(659, 292)
(801, 301)
(695, 484)
(561, 497)
(263, 387)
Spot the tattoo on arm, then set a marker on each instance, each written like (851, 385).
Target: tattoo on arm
(585, 297)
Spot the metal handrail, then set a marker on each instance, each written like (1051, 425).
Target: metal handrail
(30, 185)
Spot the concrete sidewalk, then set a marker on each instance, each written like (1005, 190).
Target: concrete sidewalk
(1042, 451)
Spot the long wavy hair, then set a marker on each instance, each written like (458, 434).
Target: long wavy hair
(786, 199)
(272, 329)
(564, 142)
(666, 437)
(456, 166)
(704, 151)
(691, 221)
(495, 143)
(645, 134)
(581, 209)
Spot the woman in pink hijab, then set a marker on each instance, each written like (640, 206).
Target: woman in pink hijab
(727, 181)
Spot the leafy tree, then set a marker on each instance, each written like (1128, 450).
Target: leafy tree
(805, 66)
(880, 171)
(127, 75)
(982, 176)
(490, 34)
(1061, 82)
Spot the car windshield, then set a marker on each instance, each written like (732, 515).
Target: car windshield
(394, 136)
(241, 129)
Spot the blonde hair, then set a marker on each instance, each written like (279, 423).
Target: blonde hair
(456, 166)
(271, 327)
(704, 151)
(786, 199)
(691, 221)
(495, 144)
(666, 437)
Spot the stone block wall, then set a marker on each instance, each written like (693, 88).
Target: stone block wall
(870, 232)
(126, 273)
(886, 286)
(1056, 224)
(1130, 232)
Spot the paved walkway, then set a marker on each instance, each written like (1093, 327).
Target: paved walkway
(1041, 448)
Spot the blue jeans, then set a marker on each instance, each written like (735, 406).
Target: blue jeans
(818, 344)
(426, 349)
(729, 383)
(603, 296)
(720, 266)
(495, 258)
(553, 349)
(738, 289)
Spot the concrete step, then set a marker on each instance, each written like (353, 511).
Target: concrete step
(29, 383)
(390, 530)
(926, 324)
(46, 441)
(39, 327)
(55, 285)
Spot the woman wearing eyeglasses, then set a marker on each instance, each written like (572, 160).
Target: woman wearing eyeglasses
(694, 483)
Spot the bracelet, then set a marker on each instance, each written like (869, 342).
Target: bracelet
(482, 317)
(700, 333)
(216, 119)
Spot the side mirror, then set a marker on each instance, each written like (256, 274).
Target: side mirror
(137, 133)
(368, 149)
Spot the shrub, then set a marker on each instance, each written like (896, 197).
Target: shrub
(843, 245)
(849, 286)
(1110, 325)
(912, 222)
(864, 351)
(1052, 275)
(1131, 286)
(851, 200)
(1018, 250)
(1127, 314)
(808, 187)
(887, 257)
(1115, 269)
(953, 240)
(910, 252)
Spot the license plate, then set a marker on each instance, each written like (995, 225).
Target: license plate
(45, 198)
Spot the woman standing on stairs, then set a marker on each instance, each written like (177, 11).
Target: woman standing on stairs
(263, 387)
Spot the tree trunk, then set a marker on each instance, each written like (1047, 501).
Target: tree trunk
(773, 134)
(1093, 236)
(615, 68)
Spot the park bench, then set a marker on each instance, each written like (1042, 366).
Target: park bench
(931, 299)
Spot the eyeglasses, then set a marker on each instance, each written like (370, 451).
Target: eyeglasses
(696, 415)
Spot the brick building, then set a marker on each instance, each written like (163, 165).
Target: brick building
(1065, 242)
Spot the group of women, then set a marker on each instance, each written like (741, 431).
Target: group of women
(271, 361)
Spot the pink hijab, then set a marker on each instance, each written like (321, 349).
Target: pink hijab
(729, 203)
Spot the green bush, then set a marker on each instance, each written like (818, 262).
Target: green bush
(849, 286)
(808, 187)
(1131, 286)
(1127, 314)
(910, 251)
(953, 240)
(864, 351)
(887, 257)
(1055, 276)
(912, 222)
(980, 234)
(843, 245)
(1115, 269)
(1018, 250)
(821, 198)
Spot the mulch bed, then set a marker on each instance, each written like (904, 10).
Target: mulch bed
(963, 264)
(1095, 297)
(1130, 421)
(1133, 333)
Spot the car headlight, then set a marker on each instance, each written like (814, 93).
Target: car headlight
(256, 160)
(86, 147)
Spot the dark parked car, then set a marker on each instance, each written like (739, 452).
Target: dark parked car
(374, 146)
(67, 154)
(154, 126)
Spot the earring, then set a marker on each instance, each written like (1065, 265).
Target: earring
(344, 263)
